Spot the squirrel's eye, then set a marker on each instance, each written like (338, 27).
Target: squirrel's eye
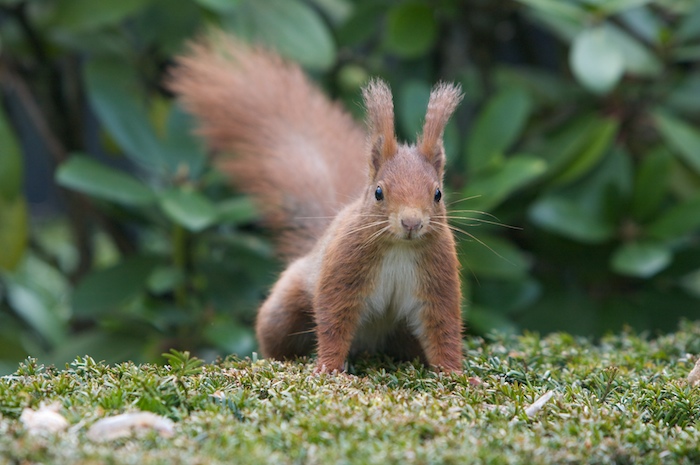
(438, 195)
(379, 194)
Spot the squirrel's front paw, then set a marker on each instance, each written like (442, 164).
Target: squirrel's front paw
(328, 368)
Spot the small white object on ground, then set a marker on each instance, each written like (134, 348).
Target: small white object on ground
(125, 424)
(45, 420)
(532, 410)
(694, 375)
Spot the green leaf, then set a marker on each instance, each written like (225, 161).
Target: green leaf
(641, 259)
(164, 28)
(681, 136)
(230, 337)
(88, 15)
(599, 138)
(106, 290)
(351, 77)
(607, 187)
(561, 147)
(595, 62)
(651, 183)
(10, 161)
(492, 257)
(567, 10)
(689, 27)
(685, 95)
(14, 231)
(507, 296)
(37, 293)
(32, 308)
(485, 320)
(219, 6)
(114, 92)
(411, 106)
(451, 140)
(684, 183)
(362, 25)
(164, 279)
(101, 42)
(291, 27)
(638, 60)
(237, 210)
(617, 6)
(86, 175)
(411, 30)
(603, 193)
(691, 283)
(645, 23)
(687, 53)
(182, 363)
(337, 11)
(186, 155)
(570, 219)
(544, 88)
(188, 208)
(497, 127)
(565, 27)
(491, 188)
(676, 221)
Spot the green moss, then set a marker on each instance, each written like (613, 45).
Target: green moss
(622, 400)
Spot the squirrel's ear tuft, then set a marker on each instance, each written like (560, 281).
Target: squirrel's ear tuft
(380, 119)
(444, 98)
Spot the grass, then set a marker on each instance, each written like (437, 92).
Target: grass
(622, 400)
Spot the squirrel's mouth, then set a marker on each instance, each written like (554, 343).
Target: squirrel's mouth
(409, 228)
(412, 235)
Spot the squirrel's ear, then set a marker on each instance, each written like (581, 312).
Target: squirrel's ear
(380, 119)
(444, 98)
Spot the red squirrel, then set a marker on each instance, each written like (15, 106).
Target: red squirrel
(372, 264)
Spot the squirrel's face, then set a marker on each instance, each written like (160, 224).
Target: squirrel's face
(405, 197)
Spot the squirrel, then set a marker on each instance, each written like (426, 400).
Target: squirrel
(361, 220)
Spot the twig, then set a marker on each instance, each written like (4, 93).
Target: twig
(14, 84)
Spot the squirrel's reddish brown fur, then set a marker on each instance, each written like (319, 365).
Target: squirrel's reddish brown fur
(372, 262)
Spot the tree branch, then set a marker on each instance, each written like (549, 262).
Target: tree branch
(13, 84)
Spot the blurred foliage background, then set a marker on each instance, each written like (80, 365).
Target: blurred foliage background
(579, 130)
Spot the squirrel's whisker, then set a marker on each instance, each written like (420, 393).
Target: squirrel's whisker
(299, 333)
(480, 220)
(471, 197)
(363, 227)
(479, 212)
(480, 242)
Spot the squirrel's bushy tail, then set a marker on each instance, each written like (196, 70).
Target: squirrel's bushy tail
(275, 134)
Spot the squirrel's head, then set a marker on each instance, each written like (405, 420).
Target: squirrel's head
(405, 186)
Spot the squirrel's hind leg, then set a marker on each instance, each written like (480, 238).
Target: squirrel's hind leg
(285, 326)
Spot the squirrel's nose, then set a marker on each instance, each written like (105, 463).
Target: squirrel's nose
(411, 223)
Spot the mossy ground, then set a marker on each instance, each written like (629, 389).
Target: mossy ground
(622, 400)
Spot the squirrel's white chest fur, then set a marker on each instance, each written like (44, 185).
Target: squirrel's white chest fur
(393, 300)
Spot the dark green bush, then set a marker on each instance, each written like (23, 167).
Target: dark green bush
(575, 162)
